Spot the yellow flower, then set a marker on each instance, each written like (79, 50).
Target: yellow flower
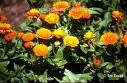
(109, 38)
(58, 33)
(52, 18)
(33, 12)
(71, 41)
(89, 35)
(40, 50)
(43, 33)
(61, 5)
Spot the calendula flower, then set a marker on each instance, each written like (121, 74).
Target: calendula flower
(77, 12)
(5, 27)
(58, 33)
(86, 14)
(33, 12)
(124, 39)
(40, 50)
(28, 44)
(117, 15)
(3, 18)
(89, 35)
(10, 36)
(44, 33)
(42, 17)
(109, 38)
(20, 34)
(71, 41)
(52, 18)
(27, 37)
(97, 62)
(60, 6)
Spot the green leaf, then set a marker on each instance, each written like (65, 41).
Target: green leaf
(95, 10)
(43, 78)
(104, 64)
(3, 66)
(33, 1)
(109, 66)
(84, 49)
(38, 23)
(59, 59)
(71, 77)
(101, 75)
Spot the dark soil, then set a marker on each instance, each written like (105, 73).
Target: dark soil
(15, 10)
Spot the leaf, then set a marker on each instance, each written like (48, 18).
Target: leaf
(32, 1)
(95, 10)
(3, 66)
(104, 64)
(71, 77)
(101, 75)
(59, 59)
(109, 66)
(85, 76)
(25, 26)
(43, 78)
(38, 23)
(85, 50)
(91, 49)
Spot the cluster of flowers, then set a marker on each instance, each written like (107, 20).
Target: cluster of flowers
(76, 12)
(6, 30)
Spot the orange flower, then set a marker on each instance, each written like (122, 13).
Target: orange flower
(77, 12)
(109, 38)
(40, 50)
(5, 27)
(3, 18)
(33, 12)
(117, 15)
(124, 39)
(28, 37)
(97, 62)
(43, 33)
(10, 36)
(86, 14)
(28, 44)
(60, 6)
(42, 17)
(20, 34)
